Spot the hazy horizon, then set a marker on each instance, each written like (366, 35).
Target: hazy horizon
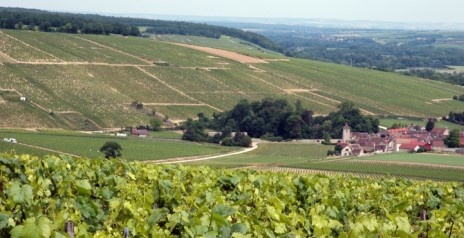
(413, 11)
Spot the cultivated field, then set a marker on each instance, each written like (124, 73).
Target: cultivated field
(88, 82)
(304, 158)
(271, 154)
(85, 145)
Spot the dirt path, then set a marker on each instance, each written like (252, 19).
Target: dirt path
(254, 146)
(54, 151)
(80, 63)
(175, 104)
(177, 90)
(289, 92)
(116, 50)
(6, 58)
(226, 54)
(441, 99)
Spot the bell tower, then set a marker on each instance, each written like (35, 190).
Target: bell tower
(346, 136)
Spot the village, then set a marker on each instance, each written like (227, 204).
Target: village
(409, 139)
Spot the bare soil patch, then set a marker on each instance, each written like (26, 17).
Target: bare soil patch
(226, 54)
(175, 104)
(297, 90)
(441, 99)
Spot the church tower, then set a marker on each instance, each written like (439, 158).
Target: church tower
(346, 136)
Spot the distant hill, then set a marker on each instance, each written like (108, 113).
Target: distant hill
(12, 18)
(90, 82)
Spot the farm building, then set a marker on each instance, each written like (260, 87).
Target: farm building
(139, 132)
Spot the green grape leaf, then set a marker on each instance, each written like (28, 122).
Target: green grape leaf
(4, 220)
(17, 231)
(21, 194)
(280, 228)
(223, 210)
(239, 228)
(83, 187)
(403, 224)
(33, 228)
(189, 232)
(58, 235)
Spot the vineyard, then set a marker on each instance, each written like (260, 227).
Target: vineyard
(100, 198)
(71, 80)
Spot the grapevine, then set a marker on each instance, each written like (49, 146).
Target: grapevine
(100, 198)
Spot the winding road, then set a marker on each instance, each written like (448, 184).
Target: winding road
(254, 146)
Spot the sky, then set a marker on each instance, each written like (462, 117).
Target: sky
(443, 11)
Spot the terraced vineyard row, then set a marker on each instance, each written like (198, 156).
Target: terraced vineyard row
(405, 164)
(436, 172)
(337, 173)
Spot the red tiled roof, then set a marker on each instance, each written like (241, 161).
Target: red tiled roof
(412, 145)
(438, 143)
(398, 130)
(438, 130)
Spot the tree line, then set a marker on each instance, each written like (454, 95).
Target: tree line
(453, 78)
(277, 119)
(455, 117)
(366, 53)
(20, 18)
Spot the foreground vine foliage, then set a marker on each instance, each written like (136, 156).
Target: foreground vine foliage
(102, 197)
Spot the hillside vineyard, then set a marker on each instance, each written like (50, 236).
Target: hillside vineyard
(74, 80)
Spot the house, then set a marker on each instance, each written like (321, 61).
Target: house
(413, 146)
(22, 99)
(139, 132)
(232, 134)
(345, 149)
(357, 150)
(350, 149)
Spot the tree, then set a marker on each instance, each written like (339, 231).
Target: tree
(156, 124)
(430, 125)
(19, 26)
(454, 139)
(111, 149)
(194, 131)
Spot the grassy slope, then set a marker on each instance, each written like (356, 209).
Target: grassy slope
(88, 145)
(441, 124)
(126, 72)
